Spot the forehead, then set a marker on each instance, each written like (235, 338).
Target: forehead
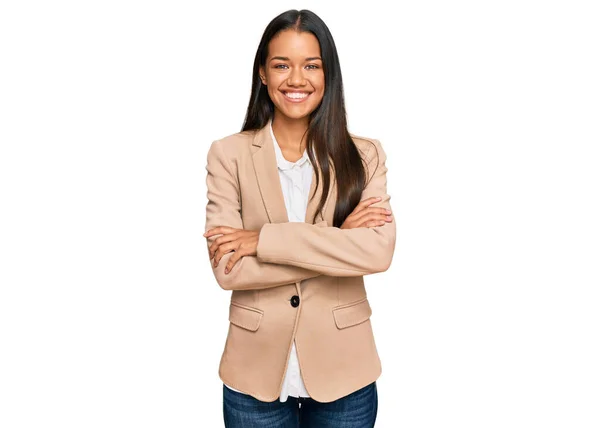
(294, 45)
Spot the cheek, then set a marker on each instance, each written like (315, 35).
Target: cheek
(273, 92)
(319, 92)
(320, 87)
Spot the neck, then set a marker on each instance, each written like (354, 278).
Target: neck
(290, 133)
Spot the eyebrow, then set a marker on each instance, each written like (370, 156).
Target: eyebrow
(285, 58)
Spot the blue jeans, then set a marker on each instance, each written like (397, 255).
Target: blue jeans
(356, 410)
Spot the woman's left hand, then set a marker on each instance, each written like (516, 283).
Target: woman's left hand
(242, 242)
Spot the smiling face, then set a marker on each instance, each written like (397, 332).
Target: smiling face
(294, 74)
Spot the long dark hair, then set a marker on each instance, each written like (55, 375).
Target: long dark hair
(327, 132)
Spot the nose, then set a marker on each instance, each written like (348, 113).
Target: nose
(296, 77)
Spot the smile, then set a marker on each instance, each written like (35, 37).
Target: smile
(296, 97)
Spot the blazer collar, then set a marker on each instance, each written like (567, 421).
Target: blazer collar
(267, 175)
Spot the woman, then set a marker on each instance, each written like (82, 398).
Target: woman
(297, 214)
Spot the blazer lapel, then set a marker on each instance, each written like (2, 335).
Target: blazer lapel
(267, 176)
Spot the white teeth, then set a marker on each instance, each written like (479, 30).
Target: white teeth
(296, 95)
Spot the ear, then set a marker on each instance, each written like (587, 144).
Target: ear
(261, 73)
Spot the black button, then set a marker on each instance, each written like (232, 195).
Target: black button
(295, 301)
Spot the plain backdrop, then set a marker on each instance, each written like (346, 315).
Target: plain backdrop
(489, 114)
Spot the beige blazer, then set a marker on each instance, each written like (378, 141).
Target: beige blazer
(306, 281)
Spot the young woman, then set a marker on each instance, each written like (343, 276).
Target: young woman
(297, 214)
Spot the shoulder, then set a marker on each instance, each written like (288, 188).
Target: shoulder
(368, 147)
(231, 149)
(233, 143)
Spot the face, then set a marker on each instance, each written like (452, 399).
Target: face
(294, 74)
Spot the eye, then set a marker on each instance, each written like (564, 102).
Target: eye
(313, 66)
(280, 66)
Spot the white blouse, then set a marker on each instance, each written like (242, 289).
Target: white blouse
(296, 178)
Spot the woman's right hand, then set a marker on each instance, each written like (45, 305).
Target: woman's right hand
(365, 216)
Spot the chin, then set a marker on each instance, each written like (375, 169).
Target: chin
(296, 115)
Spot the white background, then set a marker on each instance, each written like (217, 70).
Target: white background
(489, 114)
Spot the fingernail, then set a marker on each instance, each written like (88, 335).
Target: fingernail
(226, 270)
(388, 211)
(389, 217)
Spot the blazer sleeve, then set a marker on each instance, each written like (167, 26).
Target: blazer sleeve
(331, 250)
(224, 209)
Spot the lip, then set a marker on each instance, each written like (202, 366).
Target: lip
(296, 101)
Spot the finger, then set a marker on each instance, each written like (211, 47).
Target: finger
(365, 203)
(370, 201)
(375, 218)
(213, 231)
(220, 241)
(219, 230)
(377, 210)
(371, 214)
(232, 261)
(374, 223)
(220, 253)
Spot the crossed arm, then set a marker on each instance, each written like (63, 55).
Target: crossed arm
(294, 251)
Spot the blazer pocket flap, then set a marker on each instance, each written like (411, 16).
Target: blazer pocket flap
(245, 316)
(352, 313)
